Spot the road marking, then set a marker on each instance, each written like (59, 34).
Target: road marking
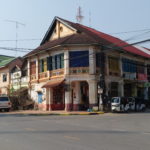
(72, 138)
(147, 133)
(30, 129)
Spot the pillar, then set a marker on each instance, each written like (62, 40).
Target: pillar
(66, 62)
(121, 88)
(76, 96)
(68, 102)
(92, 93)
(28, 67)
(37, 68)
(92, 61)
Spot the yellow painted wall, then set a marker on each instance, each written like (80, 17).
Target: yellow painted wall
(61, 31)
(4, 85)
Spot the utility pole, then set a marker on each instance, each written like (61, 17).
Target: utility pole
(101, 85)
(17, 26)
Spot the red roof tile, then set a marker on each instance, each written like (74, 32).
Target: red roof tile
(88, 35)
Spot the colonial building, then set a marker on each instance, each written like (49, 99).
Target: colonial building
(18, 76)
(64, 71)
(6, 64)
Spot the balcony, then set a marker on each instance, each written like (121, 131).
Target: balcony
(79, 70)
(33, 77)
(56, 73)
(43, 75)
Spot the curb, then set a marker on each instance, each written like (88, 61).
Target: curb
(57, 114)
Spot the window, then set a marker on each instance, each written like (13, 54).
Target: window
(33, 67)
(61, 29)
(140, 68)
(43, 65)
(55, 62)
(129, 65)
(24, 72)
(113, 64)
(4, 77)
(79, 59)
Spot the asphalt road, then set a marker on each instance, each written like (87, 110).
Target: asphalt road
(100, 132)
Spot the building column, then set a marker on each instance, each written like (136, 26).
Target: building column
(92, 61)
(92, 93)
(68, 98)
(28, 67)
(66, 62)
(37, 68)
(146, 93)
(49, 98)
(76, 96)
(121, 88)
(68, 104)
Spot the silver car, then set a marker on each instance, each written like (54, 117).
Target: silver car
(5, 103)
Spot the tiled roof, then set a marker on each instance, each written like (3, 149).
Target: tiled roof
(4, 60)
(88, 35)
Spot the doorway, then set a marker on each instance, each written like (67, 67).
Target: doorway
(84, 87)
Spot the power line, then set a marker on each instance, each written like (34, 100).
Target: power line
(20, 40)
(131, 31)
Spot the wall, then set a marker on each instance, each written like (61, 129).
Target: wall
(61, 31)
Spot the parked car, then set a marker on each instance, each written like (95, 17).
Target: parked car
(5, 103)
(125, 104)
(140, 104)
(119, 104)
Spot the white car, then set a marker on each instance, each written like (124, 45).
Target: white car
(5, 103)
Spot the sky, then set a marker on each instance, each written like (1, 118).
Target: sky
(35, 16)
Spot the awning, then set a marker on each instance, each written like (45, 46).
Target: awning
(53, 83)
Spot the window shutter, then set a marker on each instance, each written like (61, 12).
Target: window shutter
(62, 61)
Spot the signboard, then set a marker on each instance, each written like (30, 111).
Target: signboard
(142, 77)
(130, 76)
(147, 84)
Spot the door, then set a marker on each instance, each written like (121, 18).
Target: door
(40, 94)
(84, 95)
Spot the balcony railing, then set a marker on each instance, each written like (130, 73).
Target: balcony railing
(33, 77)
(43, 75)
(57, 72)
(79, 70)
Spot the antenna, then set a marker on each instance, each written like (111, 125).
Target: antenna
(90, 19)
(17, 26)
(79, 16)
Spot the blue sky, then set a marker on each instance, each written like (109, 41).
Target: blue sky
(109, 16)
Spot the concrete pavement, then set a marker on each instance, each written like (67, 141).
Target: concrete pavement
(75, 132)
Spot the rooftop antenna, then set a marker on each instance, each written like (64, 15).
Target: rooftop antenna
(79, 16)
(90, 20)
(17, 26)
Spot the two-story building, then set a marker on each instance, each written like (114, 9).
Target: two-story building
(6, 64)
(64, 71)
(18, 76)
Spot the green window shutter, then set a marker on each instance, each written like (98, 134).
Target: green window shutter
(45, 65)
(62, 60)
(53, 63)
(40, 65)
(58, 61)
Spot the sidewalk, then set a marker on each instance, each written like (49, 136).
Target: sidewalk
(47, 113)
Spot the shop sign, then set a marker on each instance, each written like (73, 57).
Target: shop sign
(142, 77)
(147, 84)
(130, 76)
